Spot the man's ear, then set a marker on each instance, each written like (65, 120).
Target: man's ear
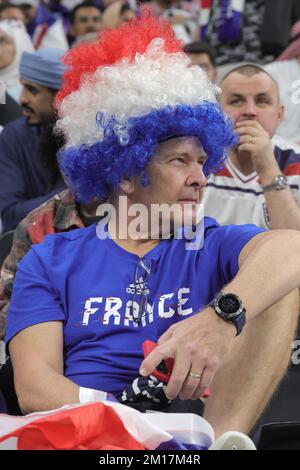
(281, 113)
(127, 186)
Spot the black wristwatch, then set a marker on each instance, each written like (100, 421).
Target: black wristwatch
(230, 307)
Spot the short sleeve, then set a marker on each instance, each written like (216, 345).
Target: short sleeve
(233, 240)
(34, 300)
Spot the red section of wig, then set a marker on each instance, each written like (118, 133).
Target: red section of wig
(113, 45)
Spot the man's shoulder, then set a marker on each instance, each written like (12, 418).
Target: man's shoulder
(72, 236)
(287, 155)
(64, 247)
(41, 220)
(18, 130)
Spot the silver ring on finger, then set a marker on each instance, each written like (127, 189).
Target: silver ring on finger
(195, 376)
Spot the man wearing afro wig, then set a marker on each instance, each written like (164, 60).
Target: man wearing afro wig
(143, 129)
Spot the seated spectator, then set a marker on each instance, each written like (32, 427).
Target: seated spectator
(8, 11)
(44, 28)
(84, 301)
(261, 180)
(116, 14)
(29, 173)
(60, 214)
(84, 18)
(203, 55)
(14, 40)
(286, 72)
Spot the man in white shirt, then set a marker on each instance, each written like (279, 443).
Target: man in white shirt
(260, 182)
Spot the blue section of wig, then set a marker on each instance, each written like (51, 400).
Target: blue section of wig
(97, 170)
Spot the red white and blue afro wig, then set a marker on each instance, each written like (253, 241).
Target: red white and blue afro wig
(123, 95)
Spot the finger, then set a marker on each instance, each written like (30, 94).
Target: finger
(166, 335)
(247, 139)
(204, 383)
(153, 359)
(191, 383)
(245, 148)
(248, 131)
(180, 370)
(249, 123)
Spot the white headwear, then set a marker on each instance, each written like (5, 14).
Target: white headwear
(22, 42)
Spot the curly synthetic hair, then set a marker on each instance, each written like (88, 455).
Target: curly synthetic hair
(125, 94)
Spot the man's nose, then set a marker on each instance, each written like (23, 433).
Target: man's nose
(250, 109)
(24, 97)
(196, 177)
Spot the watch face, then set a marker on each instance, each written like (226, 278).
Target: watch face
(229, 304)
(282, 181)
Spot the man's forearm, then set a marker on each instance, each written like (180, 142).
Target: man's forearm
(270, 271)
(283, 210)
(46, 390)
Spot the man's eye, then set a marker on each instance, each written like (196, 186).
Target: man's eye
(235, 102)
(262, 101)
(178, 160)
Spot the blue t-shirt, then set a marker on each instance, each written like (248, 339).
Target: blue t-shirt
(88, 284)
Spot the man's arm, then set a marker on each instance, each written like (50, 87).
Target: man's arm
(269, 270)
(15, 198)
(37, 358)
(21, 245)
(283, 210)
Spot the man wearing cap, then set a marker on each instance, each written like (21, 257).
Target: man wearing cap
(28, 170)
(85, 301)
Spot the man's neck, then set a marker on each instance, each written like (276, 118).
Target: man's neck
(242, 161)
(137, 247)
(138, 243)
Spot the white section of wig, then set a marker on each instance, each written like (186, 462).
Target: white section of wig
(153, 80)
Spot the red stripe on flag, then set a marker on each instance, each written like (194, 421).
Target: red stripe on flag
(90, 427)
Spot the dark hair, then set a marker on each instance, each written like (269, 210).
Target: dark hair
(125, 7)
(50, 142)
(6, 6)
(200, 48)
(249, 70)
(87, 4)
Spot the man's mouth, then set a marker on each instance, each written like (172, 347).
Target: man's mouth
(27, 112)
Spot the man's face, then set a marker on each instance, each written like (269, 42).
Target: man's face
(12, 13)
(252, 98)
(87, 20)
(7, 49)
(37, 103)
(203, 61)
(175, 177)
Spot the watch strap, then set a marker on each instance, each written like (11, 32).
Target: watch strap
(279, 182)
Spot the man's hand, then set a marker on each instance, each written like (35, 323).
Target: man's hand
(256, 142)
(198, 346)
